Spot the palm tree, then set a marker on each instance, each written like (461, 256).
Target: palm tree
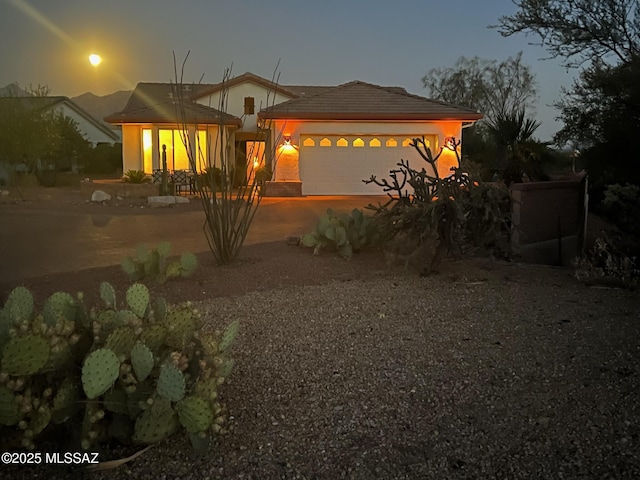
(519, 155)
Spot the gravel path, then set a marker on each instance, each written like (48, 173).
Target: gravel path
(510, 372)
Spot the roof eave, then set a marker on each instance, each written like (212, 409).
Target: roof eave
(463, 117)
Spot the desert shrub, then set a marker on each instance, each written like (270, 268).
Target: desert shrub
(448, 212)
(135, 176)
(154, 264)
(621, 204)
(103, 158)
(487, 216)
(344, 233)
(607, 264)
(132, 371)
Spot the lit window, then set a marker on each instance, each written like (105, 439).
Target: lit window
(308, 142)
(325, 142)
(358, 142)
(342, 142)
(392, 142)
(406, 142)
(374, 142)
(147, 146)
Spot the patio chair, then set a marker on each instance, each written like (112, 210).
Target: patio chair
(182, 182)
(156, 176)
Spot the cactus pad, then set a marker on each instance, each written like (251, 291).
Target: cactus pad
(164, 249)
(153, 336)
(138, 299)
(195, 414)
(130, 268)
(206, 389)
(141, 361)
(108, 295)
(40, 420)
(160, 312)
(225, 369)
(142, 253)
(59, 304)
(155, 424)
(180, 324)
(8, 407)
(20, 301)
(171, 383)
(99, 372)
(188, 264)
(65, 402)
(25, 355)
(228, 336)
(121, 341)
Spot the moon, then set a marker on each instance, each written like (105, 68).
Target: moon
(95, 59)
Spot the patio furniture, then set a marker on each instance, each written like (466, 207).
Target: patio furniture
(156, 176)
(182, 181)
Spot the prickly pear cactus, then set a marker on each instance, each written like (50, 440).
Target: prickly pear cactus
(173, 269)
(131, 268)
(156, 423)
(164, 249)
(66, 401)
(142, 253)
(195, 414)
(8, 407)
(40, 419)
(180, 326)
(160, 309)
(228, 336)
(108, 295)
(121, 341)
(25, 355)
(141, 361)
(100, 370)
(60, 304)
(225, 368)
(188, 264)
(20, 304)
(171, 383)
(138, 299)
(153, 336)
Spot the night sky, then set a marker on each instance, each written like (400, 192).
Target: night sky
(325, 42)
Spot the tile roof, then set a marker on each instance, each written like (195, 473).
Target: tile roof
(246, 77)
(155, 103)
(168, 112)
(364, 101)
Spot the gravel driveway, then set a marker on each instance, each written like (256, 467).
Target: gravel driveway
(490, 370)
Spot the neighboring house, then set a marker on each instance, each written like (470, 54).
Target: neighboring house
(91, 128)
(325, 139)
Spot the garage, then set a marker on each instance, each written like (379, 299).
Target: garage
(337, 164)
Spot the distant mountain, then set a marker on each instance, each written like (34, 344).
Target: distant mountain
(100, 107)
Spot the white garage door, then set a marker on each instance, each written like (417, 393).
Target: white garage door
(336, 165)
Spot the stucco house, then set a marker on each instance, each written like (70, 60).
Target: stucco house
(324, 139)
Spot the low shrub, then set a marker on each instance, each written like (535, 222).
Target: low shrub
(621, 205)
(344, 233)
(606, 264)
(135, 176)
(136, 374)
(154, 264)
